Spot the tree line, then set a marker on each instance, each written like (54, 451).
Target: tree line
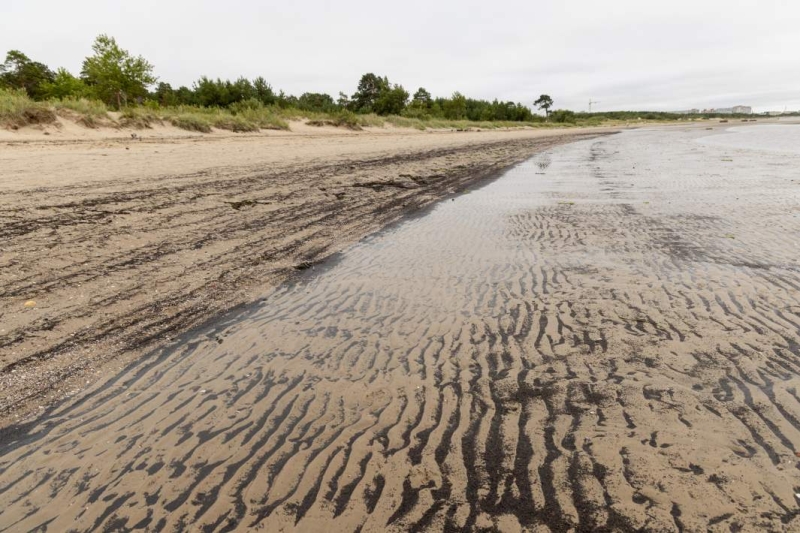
(119, 79)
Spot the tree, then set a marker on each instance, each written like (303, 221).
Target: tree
(239, 90)
(286, 101)
(370, 88)
(210, 93)
(184, 96)
(165, 95)
(19, 72)
(65, 85)
(316, 102)
(114, 74)
(263, 91)
(422, 99)
(455, 108)
(544, 102)
(391, 101)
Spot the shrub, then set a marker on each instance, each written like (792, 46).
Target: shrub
(562, 116)
(346, 119)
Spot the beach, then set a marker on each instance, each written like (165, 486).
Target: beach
(113, 244)
(601, 336)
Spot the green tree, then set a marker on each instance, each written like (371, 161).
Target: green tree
(263, 91)
(65, 85)
(114, 74)
(455, 108)
(165, 95)
(239, 90)
(316, 102)
(185, 96)
(285, 101)
(544, 102)
(369, 90)
(19, 72)
(422, 99)
(391, 101)
(210, 93)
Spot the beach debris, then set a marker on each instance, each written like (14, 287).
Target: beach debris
(30, 303)
(237, 205)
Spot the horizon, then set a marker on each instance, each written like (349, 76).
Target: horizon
(717, 56)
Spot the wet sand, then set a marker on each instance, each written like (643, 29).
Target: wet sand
(603, 339)
(124, 244)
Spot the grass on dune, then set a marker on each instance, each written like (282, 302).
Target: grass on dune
(139, 118)
(82, 106)
(90, 113)
(190, 122)
(201, 119)
(17, 110)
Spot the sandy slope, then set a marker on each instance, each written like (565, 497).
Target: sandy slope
(124, 243)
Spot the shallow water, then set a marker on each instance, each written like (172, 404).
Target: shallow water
(767, 137)
(605, 336)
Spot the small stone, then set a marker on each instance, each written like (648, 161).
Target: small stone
(30, 303)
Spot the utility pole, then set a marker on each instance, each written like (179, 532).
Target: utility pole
(592, 102)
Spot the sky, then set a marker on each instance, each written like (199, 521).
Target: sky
(643, 54)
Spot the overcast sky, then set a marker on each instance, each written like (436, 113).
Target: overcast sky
(626, 54)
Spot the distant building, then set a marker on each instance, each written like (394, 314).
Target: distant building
(735, 110)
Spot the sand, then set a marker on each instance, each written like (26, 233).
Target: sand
(124, 243)
(605, 338)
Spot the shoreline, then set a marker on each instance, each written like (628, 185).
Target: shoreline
(137, 255)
